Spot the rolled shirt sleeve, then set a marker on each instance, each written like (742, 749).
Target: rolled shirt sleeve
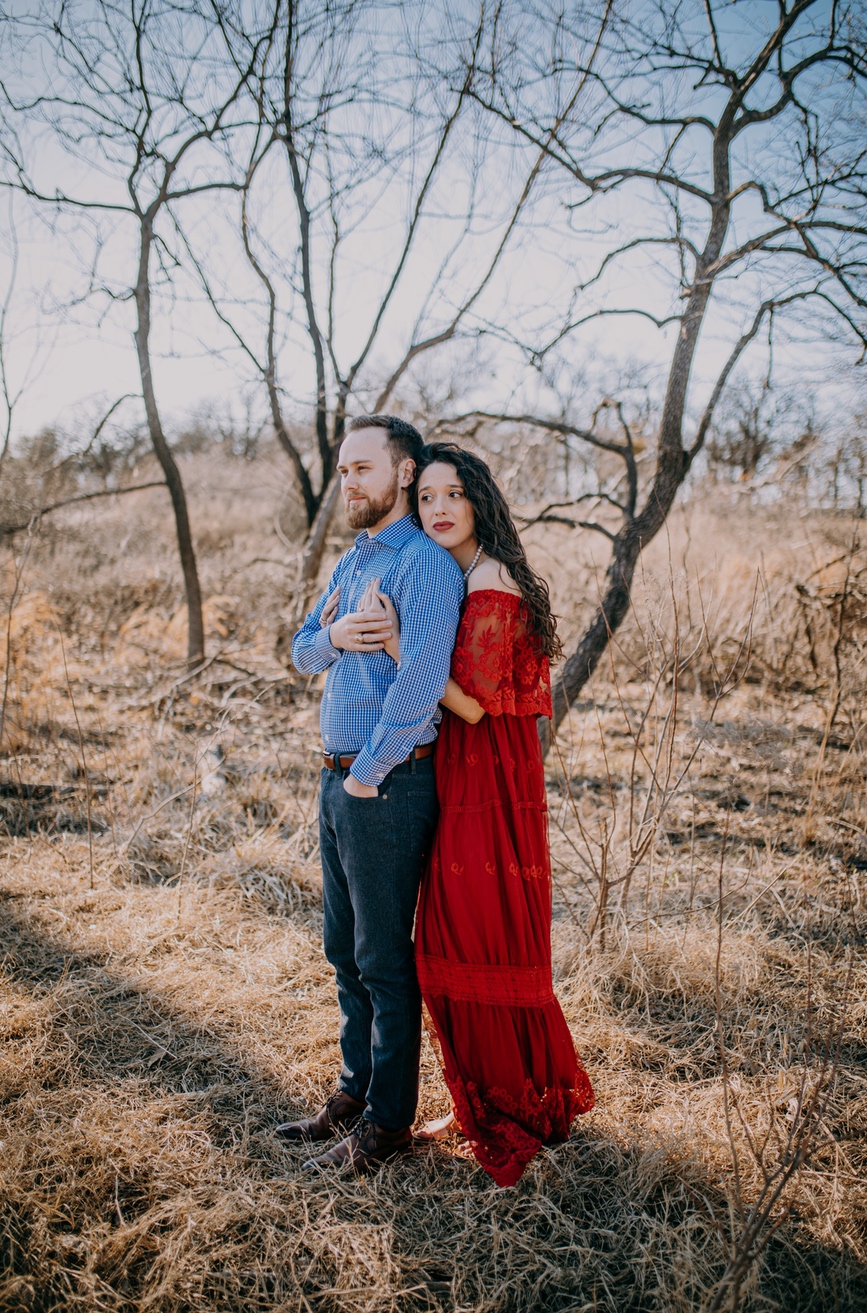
(428, 597)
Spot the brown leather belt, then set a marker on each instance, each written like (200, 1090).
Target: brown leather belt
(343, 763)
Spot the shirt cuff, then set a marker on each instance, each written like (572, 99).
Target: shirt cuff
(367, 770)
(323, 646)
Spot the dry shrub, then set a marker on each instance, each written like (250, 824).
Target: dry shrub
(34, 682)
(148, 634)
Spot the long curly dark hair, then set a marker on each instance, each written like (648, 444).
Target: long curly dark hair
(497, 535)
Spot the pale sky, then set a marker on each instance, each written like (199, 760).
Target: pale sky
(68, 347)
(70, 359)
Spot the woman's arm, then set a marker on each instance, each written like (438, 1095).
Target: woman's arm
(461, 703)
(454, 697)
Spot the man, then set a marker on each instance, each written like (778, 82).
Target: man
(378, 804)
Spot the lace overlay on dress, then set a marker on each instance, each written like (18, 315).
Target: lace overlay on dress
(497, 659)
(505, 1133)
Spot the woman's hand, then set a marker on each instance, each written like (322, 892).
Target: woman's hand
(392, 646)
(461, 703)
(329, 611)
(374, 600)
(372, 627)
(366, 629)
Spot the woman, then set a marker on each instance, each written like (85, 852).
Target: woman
(483, 949)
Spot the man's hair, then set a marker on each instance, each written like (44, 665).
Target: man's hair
(404, 440)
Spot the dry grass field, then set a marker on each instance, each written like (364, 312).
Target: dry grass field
(164, 999)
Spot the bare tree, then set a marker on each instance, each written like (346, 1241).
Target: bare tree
(13, 381)
(148, 99)
(857, 464)
(849, 464)
(746, 429)
(715, 147)
(8, 391)
(361, 132)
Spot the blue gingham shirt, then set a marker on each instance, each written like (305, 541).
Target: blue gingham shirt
(371, 706)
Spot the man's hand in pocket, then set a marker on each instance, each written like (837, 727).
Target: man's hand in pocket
(356, 789)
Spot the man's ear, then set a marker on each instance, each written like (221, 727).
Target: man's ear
(406, 473)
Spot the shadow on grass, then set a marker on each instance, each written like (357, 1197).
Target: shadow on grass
(139, 1172)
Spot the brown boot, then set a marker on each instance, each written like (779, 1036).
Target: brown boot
(339, 1113)
(365, 1149)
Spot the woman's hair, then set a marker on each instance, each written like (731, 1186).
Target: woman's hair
(497, 535)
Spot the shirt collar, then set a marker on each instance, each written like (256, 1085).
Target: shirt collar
(393, 535)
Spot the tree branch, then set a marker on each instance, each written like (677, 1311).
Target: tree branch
(737, 351)
(7, 529)
(537, 421)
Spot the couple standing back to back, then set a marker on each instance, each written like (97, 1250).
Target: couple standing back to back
(436, 633)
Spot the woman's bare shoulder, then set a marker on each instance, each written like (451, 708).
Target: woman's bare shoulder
(492, 574)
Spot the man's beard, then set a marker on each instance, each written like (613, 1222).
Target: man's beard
(373, 510)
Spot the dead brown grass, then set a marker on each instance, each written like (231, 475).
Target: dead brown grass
(164, 999)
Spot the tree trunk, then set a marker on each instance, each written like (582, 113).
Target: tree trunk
(311, 501)
(325, 451)
(672, 467)
(314, 548)
(196, 629)
(612, 609)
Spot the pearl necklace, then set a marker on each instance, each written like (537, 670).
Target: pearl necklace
(473, 564)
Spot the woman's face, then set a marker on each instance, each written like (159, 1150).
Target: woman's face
(444, 508)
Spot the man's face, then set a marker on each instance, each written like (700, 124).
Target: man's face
(370, 483)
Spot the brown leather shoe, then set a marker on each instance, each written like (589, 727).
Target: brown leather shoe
(339, 1113)
(365, 1148)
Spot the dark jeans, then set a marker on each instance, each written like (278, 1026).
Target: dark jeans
(372, 855)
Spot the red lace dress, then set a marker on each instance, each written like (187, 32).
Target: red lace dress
(483, 934)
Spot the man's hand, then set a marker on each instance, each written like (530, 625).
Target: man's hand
(356, 789)
(361, 631)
